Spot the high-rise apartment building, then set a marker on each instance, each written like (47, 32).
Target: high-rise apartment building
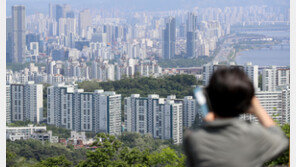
(162, 118)
(269, 79)
(283, 77)
(190, 111)
(77, 110)
(26, 102)
(252, 72)
(8, 105)
(172, 125)
(286, 105)
(18, 33)
(169, 38)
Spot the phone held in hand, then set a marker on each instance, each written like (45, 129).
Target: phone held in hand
(201, 99)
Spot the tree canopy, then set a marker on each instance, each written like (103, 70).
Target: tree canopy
(179, 85)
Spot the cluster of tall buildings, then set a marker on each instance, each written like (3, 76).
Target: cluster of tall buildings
(201, 37)
(75, 71)
(68, 46)
(37, 37)
(163, 118)
(100, 111)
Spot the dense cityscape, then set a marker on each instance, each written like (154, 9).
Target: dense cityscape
(89, 72)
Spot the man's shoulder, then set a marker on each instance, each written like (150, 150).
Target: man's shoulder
(242, 126)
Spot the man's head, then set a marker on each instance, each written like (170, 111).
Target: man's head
(230, 92)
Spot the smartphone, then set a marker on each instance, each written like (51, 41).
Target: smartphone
(201, 99)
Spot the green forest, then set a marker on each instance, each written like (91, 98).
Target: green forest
(126, 150)
(179, 85)
(129, 149)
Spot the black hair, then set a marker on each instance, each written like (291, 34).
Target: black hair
(230, 92)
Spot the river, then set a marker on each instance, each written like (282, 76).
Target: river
(278, 55)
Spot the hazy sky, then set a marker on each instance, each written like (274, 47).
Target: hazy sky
(33, 6)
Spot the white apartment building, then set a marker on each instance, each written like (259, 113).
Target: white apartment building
(286, 105)
(157, 116)
(272, 103)
(190, 111)
(172, 125)
(283, 77)
(208, 70)
(269, 79)
(26, 102)
(77, 110)
(252, 72)
(8, 105)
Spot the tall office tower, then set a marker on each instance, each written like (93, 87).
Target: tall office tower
(77, 110)
(252, 72)
(190, 111)
(191, 24)
(172, 125)
(286, 105)
(269, 79)
(191, 27)
(59, 12)
(26, 102)
(9, 40)
(8, 105)
(191, 47)
(84, 21)
(18, 33)
(50, 10)
(169, 39)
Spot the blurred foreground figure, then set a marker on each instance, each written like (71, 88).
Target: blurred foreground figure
(225, 140)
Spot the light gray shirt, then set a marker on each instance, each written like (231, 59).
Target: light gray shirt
(233, 143)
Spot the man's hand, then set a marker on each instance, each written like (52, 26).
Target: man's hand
(209, 117)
